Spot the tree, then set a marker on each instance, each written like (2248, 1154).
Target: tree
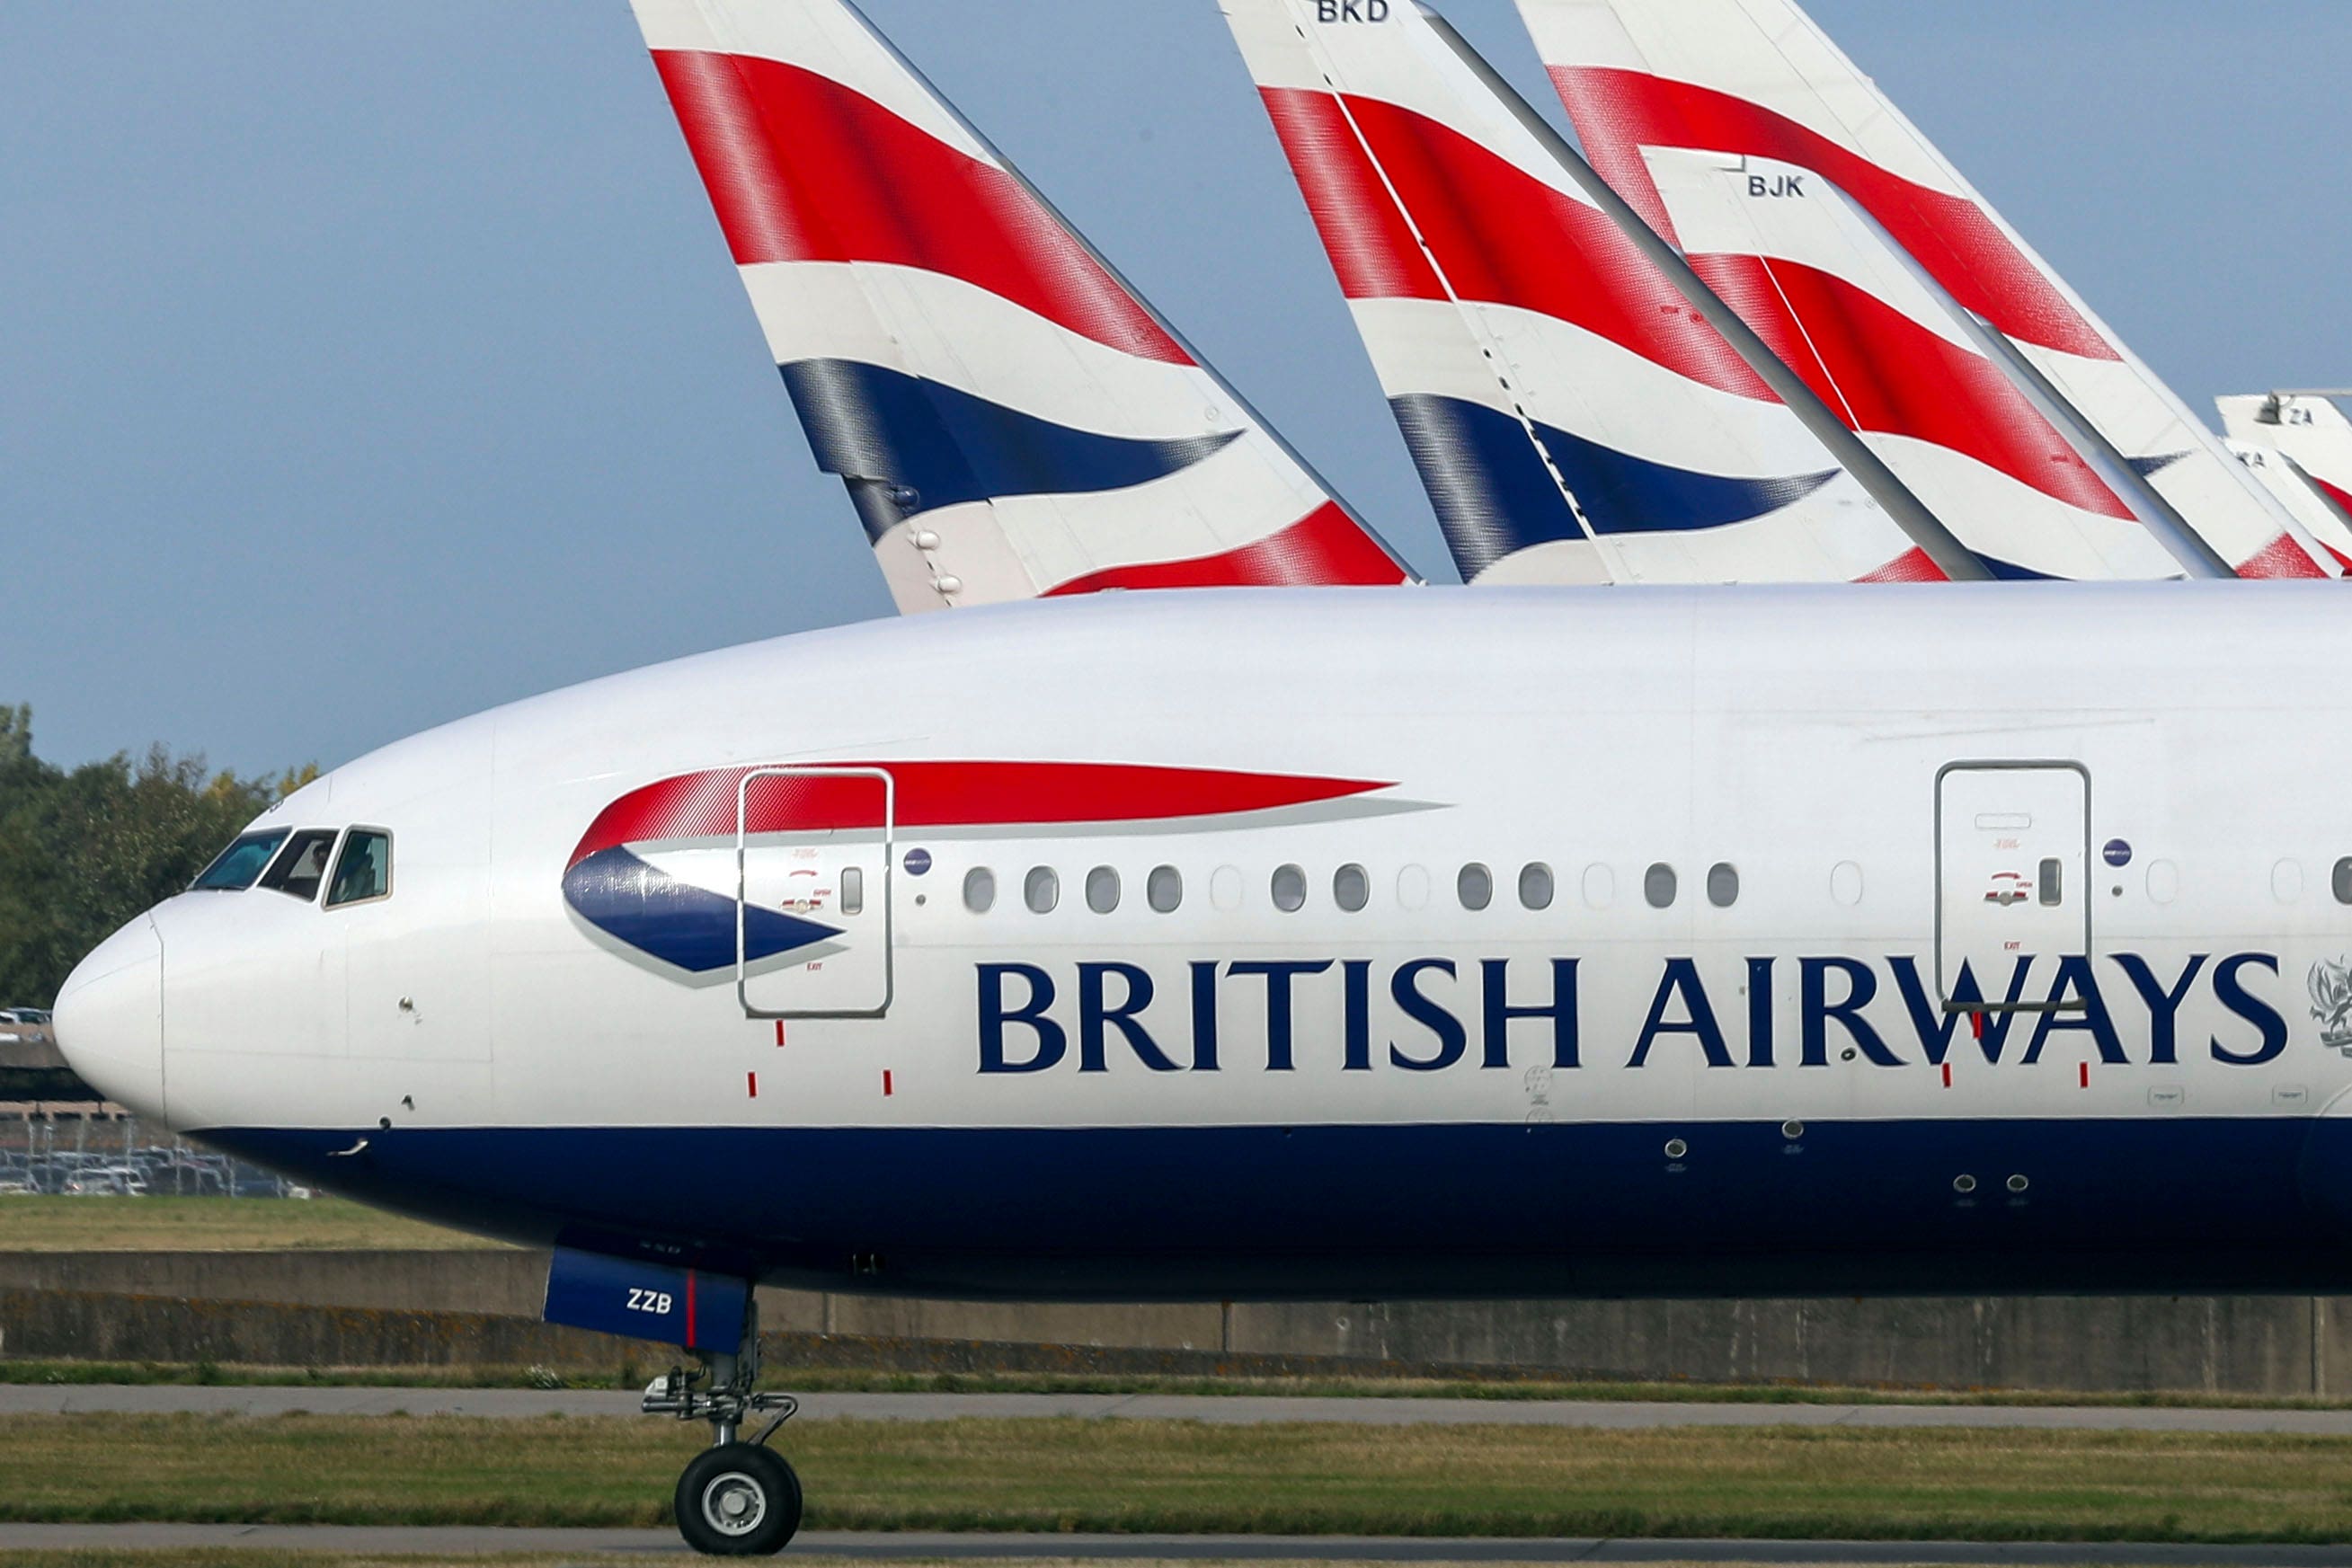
(82, 851)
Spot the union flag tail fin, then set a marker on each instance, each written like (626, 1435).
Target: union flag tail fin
(1573, 418)
(2308, 436)
(1741, 133)
(1011, 418)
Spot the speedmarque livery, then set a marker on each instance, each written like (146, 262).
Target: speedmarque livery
(1296, 941)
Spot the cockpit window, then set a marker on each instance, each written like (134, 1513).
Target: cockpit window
(302, 866)
(240, 864)
(363, 871)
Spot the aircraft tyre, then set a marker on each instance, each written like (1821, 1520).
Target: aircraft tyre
(739, 1500)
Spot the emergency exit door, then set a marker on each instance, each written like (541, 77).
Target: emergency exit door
(813, 891)
(2013, 873)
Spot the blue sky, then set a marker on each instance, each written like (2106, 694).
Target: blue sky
(368, 366)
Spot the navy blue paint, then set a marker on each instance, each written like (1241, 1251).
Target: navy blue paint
(1495, 498)
(941, 447)
(641, 1300)
(676, 921)
(2149, 467)
(2170, 1204)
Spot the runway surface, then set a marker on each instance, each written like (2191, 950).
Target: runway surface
(27, 1399)
(659, 1544)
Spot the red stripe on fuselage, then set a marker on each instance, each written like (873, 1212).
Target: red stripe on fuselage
(1619, 113)
(801, 168)
(1324, 549)
(1502, 236)
(1885, 374)
(945, 794)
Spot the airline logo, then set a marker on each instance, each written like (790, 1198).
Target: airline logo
(655, 872)
(1429, 1015)
(1653, 85)
(1573, 418)
(1010, 418)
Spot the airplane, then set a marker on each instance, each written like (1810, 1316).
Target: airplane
(1574, 419)
(1275, 943)
(1739, 128)
(1010, 417)
(2301, 444)
(1445, 201)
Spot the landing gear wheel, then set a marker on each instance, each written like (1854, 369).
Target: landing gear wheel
(739, 1500)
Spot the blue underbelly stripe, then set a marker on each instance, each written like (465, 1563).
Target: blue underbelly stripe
(2169, 1204)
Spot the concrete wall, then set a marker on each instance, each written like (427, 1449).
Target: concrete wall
(2267, 1345)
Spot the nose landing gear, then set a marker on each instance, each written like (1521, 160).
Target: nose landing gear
(737, 1498)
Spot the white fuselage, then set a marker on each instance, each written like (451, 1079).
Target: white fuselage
(1764, 1075)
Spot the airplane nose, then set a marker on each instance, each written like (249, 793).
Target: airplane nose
(108, 1019)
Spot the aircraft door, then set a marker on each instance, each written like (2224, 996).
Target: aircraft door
(2012, 870)
(812, 929)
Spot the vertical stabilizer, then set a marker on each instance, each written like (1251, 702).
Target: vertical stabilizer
(1011, 418)
(1573, 417)
(1743, 134)
(2308, 432)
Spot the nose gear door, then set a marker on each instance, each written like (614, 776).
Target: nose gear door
(2013, 873)
(812, 929)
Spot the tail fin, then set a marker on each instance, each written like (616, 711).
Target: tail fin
(1011, 418)
(1665, 92)
(2307, 426)
(1573, 418)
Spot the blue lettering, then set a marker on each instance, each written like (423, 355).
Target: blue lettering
(1453, 1039)
(1356, 978)
(1760, 1012)
(1278, 1010)
(1097, 1019)
(1495, 976)
(1053, 1043)
(1681, 979)
(1204, 1016)
(1817, 1012)
(2074, 975)
(1937, 1026)
(2163, 1005)
(2233, 995)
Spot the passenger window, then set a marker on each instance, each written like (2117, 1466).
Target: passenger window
(852, 890)
(302, 866)
(1102, 889)
(980, 890)
(1165, 890)
(1043, 891)
(2344, 881)
(363, 871)
(1351, 888)
(1289, 889)
(1723, 886)
(1662, 886)
(1536, 887)
(1475, 885)
(236, 867)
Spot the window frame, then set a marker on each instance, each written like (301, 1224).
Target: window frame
(335, 838)
(343, 848)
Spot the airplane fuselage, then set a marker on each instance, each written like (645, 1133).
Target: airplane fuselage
(1344, 943)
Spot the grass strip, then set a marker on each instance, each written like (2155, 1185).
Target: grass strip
(783, 1376)
(34, 1223)
(1189, 1478)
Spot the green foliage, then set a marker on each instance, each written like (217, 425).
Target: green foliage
(82, 851)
